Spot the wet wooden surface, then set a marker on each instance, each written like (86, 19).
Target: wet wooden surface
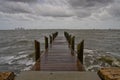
(59, 58)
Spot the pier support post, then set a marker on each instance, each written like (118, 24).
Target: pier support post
(72, 44)
(54, 35)
(37, 50)
(46, 42)
(69, 40)
(80, 49)
(50, 39)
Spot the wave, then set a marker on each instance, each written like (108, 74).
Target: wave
(113, 53)
(21, 42)
(93, 60)
(6, 59)
(13, 59)
(92, 67)
(20, 56)
(4, 48)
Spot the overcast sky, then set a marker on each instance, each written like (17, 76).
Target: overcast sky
(60, 14)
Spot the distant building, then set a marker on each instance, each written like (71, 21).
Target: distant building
(19, 28)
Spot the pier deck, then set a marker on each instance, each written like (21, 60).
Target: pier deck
(58, 58)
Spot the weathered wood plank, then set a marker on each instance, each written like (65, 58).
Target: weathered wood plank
(59, 58)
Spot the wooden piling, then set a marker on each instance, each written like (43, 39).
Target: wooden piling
(69, 39)
(72, 44)
(54, 35)
(66, 36)
(80, 49)
(50, 39)
(46, 42)
(37, 50)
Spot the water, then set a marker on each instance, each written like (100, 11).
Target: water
(16, 46)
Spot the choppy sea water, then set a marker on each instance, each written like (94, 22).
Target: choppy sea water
(102, 48)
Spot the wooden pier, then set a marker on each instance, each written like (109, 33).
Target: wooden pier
(59, 61)
(58, 58)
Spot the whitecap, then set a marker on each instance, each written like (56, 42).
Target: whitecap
(20, 56)
(26, 62)
(26, 68)
(92, 66)
(6, 59)
(30, 62)
(89, 51)
(22, 52)
(113, 53)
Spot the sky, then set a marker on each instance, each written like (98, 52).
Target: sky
(60, 14)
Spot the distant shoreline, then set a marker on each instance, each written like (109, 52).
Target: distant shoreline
(54, 29)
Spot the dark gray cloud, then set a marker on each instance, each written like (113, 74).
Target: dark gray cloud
(85, 8)
(114, 10)
(22, 0)
(88, 3)
(62, 11)
(55, 8)
(13, 7)
(40, 8)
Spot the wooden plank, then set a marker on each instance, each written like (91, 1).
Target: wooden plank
(59, 58)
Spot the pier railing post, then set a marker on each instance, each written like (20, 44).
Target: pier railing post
(80, 49)
(72, 44)
(37, 50)
(46, 42)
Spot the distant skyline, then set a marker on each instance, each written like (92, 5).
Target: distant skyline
(60, 14)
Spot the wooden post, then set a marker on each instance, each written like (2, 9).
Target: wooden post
(80, 49)
(56, 34)
(69, 40)
(50, 39)
(46, 42)
(66, 35)
(53, 36)
(37, 50)
(72, 44)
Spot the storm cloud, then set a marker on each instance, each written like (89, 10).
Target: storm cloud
(60, 10)
(22, 0)
(89, 3)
